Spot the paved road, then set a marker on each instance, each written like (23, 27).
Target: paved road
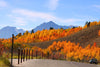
(51, 63)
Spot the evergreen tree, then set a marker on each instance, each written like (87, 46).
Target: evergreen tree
(87, 23)
(20, 34)
(32, 31)
(51, 28)
(26, 33)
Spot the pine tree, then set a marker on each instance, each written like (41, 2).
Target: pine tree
(32, 31)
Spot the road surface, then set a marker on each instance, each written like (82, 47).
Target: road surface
(51, 63)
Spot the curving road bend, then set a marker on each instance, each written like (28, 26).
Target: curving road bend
(51, 63)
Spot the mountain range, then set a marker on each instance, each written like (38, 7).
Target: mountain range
(49, 24)
(6, 32)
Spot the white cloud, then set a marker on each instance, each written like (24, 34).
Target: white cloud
(23, 17)
(70, 20)
(19, 21)
(52, 4)
(3, 3)
(97, 6)
(33, 14)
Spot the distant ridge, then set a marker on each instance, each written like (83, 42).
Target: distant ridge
(49, 24)
(7, 31)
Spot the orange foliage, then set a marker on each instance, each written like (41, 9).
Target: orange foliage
(71, 50)
(99, 32)
(74, 51)
(40, 36)
(93, 24)
(2, 49)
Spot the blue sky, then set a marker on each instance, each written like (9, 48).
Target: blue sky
(27, 14)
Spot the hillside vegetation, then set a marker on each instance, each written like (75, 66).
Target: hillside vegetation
(84, 37)
(39, 36)
(78, 44)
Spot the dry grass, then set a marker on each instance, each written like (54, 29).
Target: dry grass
(4, 62)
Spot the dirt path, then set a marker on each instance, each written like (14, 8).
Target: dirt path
(51, 63)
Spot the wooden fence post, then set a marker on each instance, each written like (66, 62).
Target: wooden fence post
(32, 53)
(36, 54)
(21, 55)
(18, 55)
(65, 57)
(48, 55)
(29, 54)
(12, 49)
(26, 54)
(53, 56)
(42, 55)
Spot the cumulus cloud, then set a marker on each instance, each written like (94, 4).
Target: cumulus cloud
(3, 3)
(52, 4)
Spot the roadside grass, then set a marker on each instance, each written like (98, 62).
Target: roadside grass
(15, 56)
(4, 62)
